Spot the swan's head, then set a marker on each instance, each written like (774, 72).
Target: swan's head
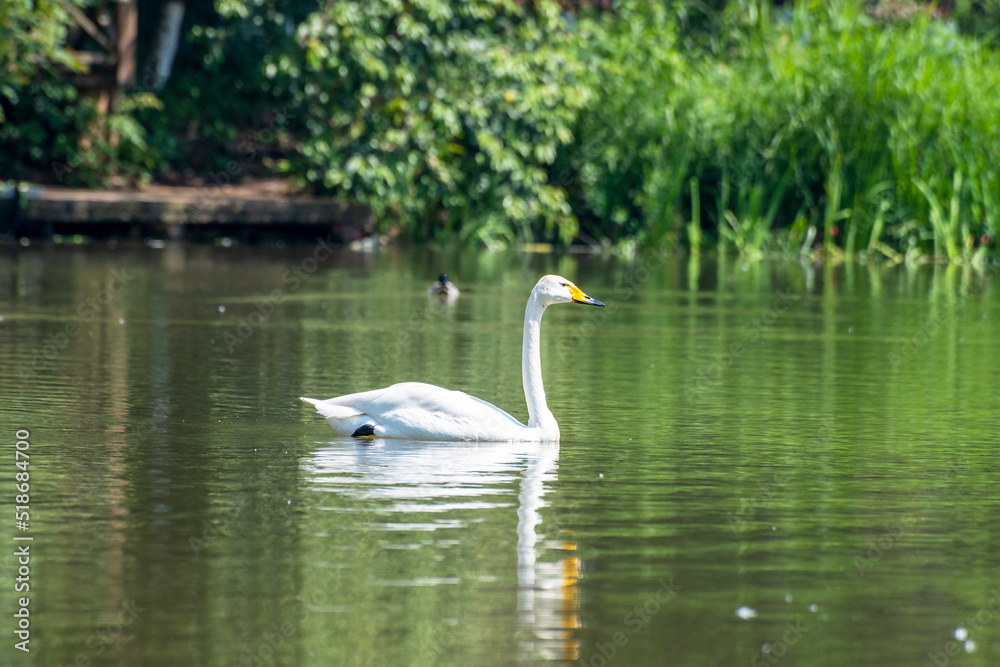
(556, 289)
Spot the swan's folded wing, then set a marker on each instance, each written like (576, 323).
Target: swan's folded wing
(419, 410)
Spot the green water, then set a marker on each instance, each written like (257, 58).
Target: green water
(763, 463)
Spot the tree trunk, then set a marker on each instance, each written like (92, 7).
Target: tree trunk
(128, 33)
(167, 37)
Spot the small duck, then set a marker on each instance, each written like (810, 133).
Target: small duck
(444, 289)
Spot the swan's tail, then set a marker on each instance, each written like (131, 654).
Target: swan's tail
(332, 410)
(344, 419)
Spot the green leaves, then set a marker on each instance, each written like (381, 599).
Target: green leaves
(494, 121)
(448, 115)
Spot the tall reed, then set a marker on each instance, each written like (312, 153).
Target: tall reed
(873, 133)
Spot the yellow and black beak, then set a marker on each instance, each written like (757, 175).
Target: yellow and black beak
(580, 297)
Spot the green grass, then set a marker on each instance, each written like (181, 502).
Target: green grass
(871, 133)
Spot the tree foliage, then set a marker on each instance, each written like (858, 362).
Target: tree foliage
(443, 115)
(33, 124)
(763, 125)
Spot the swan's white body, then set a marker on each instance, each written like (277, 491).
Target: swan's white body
(419, 411)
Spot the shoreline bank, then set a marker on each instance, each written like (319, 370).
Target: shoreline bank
(175, 212)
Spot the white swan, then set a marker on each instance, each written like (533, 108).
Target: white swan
(421, 411)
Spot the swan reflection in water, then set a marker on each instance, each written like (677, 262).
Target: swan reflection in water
(406, 481)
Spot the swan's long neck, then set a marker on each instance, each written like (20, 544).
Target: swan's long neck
(531, 369)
